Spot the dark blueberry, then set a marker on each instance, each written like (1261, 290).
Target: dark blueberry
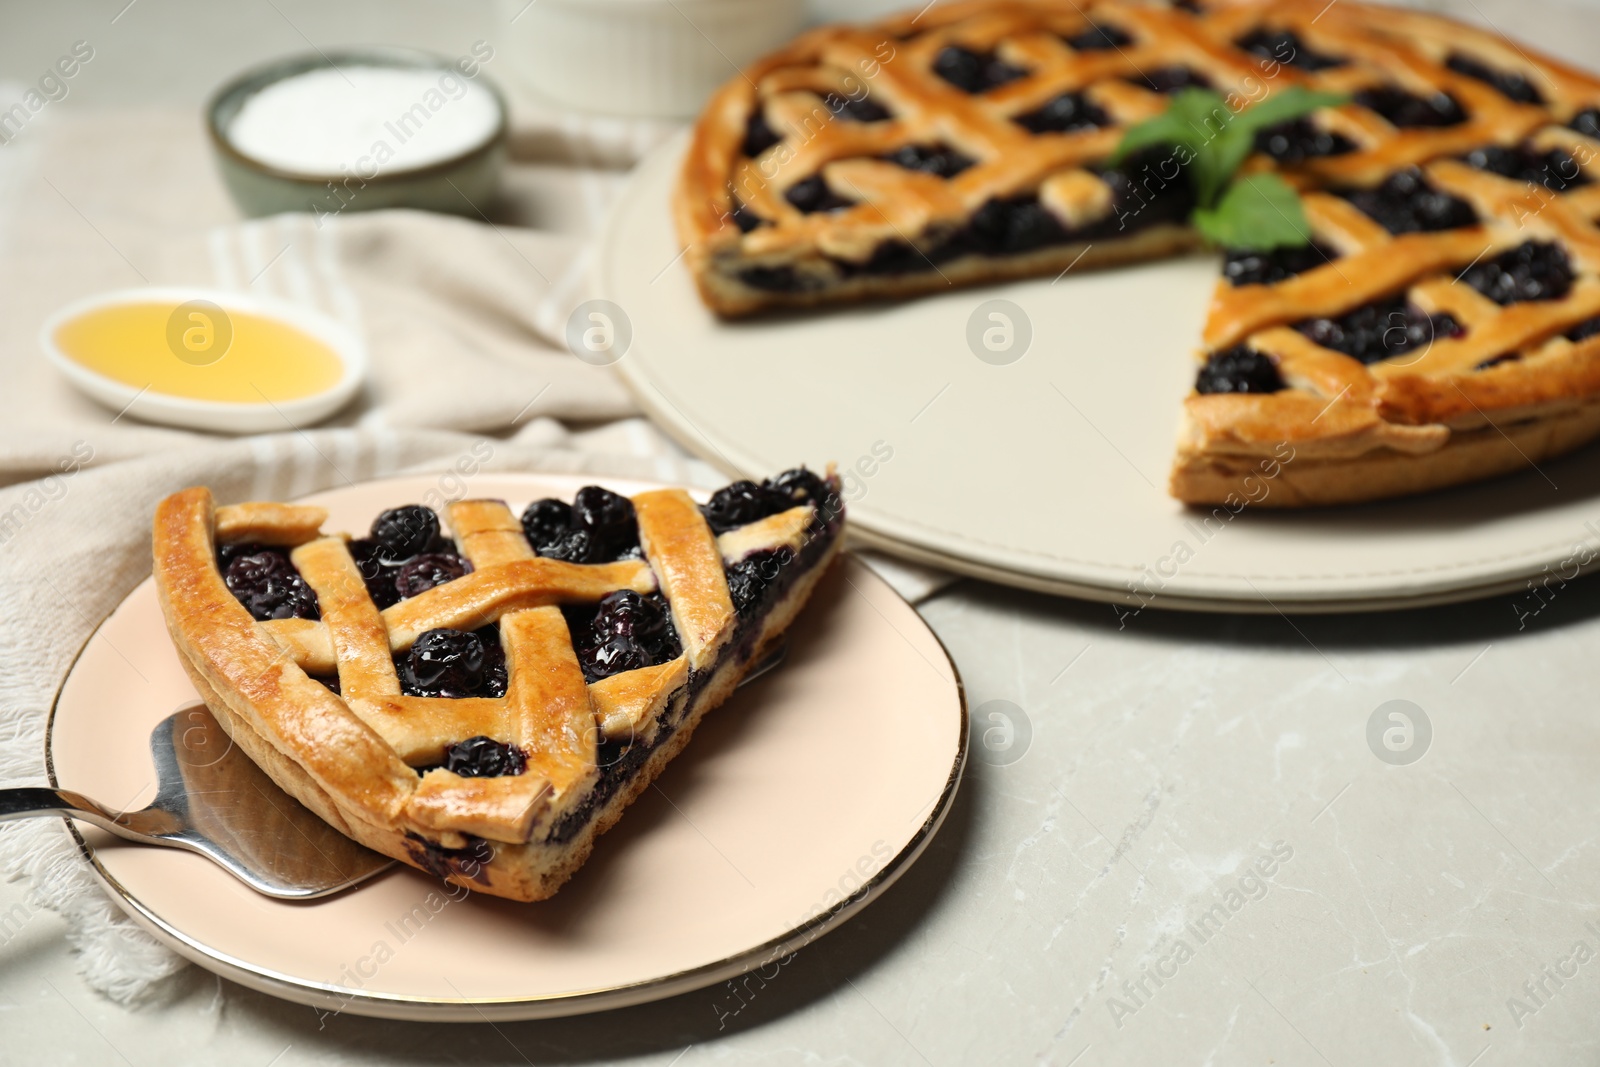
(332, 682)
(895, 257)
(940, 160)
(1587, 122)
(484, 757)
(573, 546)
(610, 522)
(378, 576)
(742, 503)
(495, 675)
(1149, 187)
(1285, 47)
(974, 72)
(1264, 268)
(1300, 139)
(1239, 369)
(1380, 330)
(853, 110)
(1099, 38)
(812, 194)
(629, 631)
(1555, 169)
(1495, 361)
(783, 279)
(1509, 83)
(1585, 329)
(545, 522)
(421, 573)
(404, 532)
(443, 663)
(1406, 203)
(1405, 109)
(749, 578)
(800, 486)
(1170, 79)
(744, 218)
(269, 587)
(758, 136)
(1531, 271)
(1011, 226)
(1069, 111)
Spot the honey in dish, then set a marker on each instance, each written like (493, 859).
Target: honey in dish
(199, 352)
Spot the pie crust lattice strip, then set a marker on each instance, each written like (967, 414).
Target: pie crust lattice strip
(1443, 326)
(328, 704)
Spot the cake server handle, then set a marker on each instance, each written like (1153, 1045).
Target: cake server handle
(29, 801)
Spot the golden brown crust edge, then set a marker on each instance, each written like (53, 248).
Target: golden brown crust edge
(1280, 481)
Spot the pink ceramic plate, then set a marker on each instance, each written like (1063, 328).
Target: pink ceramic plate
(797, 802)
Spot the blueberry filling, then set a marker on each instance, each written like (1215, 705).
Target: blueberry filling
(597, 527)
(628, 631)
(1240, 369)
(1285, 47)
(1555, 169)
(484, 757)
(378, 576)
(262, 579)
(403, 532)
(1243, 267)
(780, 279)
(798, 485)
(1509, 83)
(421, 573)
(1584, 330)
(332, 682)
(1381, 330)
(974, 72)
(1405, 109)
(443, 862)
(455, 664)
(1012, 226)
(1170, 79)
(758, 136)
(1300, 139)
(1099, 38)
(742, 503)
(810, 195)
(751, 577)
(1532, 271)
(1069, 111)
(1587, 122)
(1495, 361)
(939, 160)
(853, 110)
(1406, 203)
(1148, 187)
(744, 218)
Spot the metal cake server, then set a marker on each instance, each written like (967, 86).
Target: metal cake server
(211, 798)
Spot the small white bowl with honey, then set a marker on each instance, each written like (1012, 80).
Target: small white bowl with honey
(206, 359)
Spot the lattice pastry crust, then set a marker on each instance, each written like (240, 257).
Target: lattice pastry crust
(1508, 389)
(353, 756)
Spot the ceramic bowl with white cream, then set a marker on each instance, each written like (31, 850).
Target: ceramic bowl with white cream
(362, 129)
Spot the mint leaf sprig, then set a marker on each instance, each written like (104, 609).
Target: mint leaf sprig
(1258, 212)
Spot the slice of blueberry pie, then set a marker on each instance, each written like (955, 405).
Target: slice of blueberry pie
(1441, 325)
(482, 703)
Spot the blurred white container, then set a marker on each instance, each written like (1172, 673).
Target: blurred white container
(857, 10)
(656, 58)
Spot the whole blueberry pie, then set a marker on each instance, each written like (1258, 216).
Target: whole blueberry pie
(1436, 328)
(481, 696)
